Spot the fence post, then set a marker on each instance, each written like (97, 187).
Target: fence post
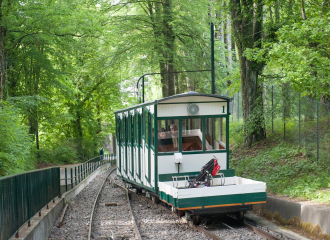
(75, 175)
(59, 185)
(232, 116)
(299, 119)
(284, 117)
(66, 179)
(273, 109)
(28, 181)
(16, 204)
(47, 189)
(318, 131)
(238, 106)
(71, 172)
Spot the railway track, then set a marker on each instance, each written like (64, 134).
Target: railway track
(226, 228)
(109, 210)
(112, 216)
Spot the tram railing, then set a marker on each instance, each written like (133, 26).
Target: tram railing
(23, 195)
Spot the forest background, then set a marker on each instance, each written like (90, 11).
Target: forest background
(65, 66)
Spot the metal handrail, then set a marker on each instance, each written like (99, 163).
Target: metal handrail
(80, 172)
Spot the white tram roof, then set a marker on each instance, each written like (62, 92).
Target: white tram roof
(188, 97)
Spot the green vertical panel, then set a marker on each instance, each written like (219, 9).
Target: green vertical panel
(139, 143)
(227, 134)
(17, 200)
(149, 146)
(132, 145)
(125, 143)
(148, 137)
(156, 148)
(66, 179)
(119, 128)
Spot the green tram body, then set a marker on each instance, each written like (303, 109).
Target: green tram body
(141, 163)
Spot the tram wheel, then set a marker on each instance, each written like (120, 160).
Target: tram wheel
(196, 219)
(138, 190)
(180, 213)
(240, 217)
(155, 199)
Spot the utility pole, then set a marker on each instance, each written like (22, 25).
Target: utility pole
(212, 59)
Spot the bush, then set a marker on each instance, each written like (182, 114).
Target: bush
(285, 168)
(16, 146)
(58, 153)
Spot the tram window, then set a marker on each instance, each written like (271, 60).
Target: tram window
(192, 135)
(168, 135)
(215, 133)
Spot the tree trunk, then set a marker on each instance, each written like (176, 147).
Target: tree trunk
(270, 14)
(190, 85)
(325, 7)
(277, 11)
(78, 134)
(168, 51)
(290, 6)
(302, 3)
(161, 16)
(248, 35)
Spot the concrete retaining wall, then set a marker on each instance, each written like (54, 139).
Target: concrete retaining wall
(43, 228)
(315, 214)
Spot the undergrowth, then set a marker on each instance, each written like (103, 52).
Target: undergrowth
(287, 169)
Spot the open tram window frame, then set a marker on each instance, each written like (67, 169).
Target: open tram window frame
(203, 151)
(118, 132)
(131, 139)
(147, 127)
(138, 131)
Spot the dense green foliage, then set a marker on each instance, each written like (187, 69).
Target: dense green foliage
(59, 79)
(17, 150)
(286, 168)
(66, 66)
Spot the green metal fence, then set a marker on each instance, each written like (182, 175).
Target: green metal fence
(71, 176)
(24, 195)
(296, 119)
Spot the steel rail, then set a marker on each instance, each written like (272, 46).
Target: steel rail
(260, 232)
(256, 230)
(209, 233)
(206, 232)
(196, 228)
(96, 199)
(137, 232)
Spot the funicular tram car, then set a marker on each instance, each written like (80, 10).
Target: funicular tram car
(163, 145)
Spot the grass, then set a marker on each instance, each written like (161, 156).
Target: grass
(288, 170)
